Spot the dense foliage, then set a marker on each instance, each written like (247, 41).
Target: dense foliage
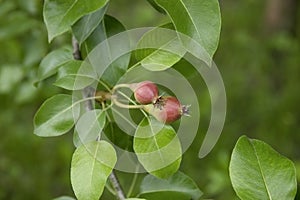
(260, 71)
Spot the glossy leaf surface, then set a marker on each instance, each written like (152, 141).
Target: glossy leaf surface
(258, 172)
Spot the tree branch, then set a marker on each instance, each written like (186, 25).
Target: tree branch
(116, 184)
(88, 92)
(76, 50)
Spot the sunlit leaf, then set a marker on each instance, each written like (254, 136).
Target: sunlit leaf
(159, 49)
(56, 116)
(87, 24)
(75, 75)
(110, 26)
(177, 187)
(91, 165)
(90, 126)
(259, 172)
(157, 148)
(200, 20)
(60, 15)
(53, 61)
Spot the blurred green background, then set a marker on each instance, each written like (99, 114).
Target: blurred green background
(259, 59)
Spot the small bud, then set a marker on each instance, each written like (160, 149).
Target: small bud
(167, 109)
(144, 92)
(102, 96)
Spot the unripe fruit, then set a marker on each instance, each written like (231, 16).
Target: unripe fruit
(145, 92)
(166, 109)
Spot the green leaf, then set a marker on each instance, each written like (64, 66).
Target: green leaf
(53, 61)
(91, 165)
(75, 75)
(201, 20)
(84, 27)
(56, 116)
(60, 15)
(109, 27)
(118, 137)
(64, 198)
(259, 172)
(165, 49)
(177, 187)
(157, 148)
(157, 7)
(90, 126)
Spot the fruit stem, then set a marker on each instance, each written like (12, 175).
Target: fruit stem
(124, 95)
(115, 101)
(123, 85)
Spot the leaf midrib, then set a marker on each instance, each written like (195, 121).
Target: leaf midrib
(191, 19)
(66, 13)
(55, 116)
(98, 116)
(93, 164)
(76, 75)
(260, 169)
(155, 140)
(159, 49)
